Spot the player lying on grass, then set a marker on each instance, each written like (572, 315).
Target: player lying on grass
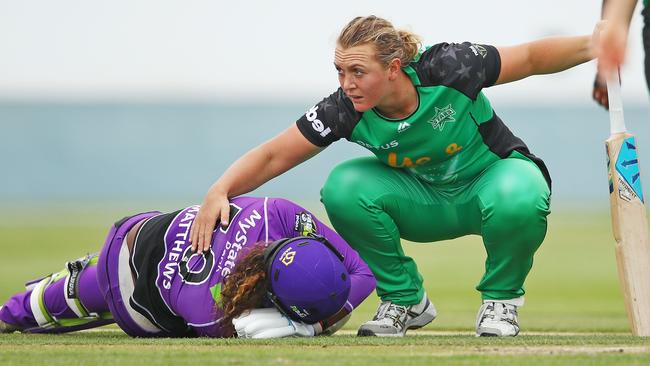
(275, 271)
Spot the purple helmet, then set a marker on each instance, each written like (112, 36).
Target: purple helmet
(307, 278)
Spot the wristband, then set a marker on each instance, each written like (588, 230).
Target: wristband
(318, 327)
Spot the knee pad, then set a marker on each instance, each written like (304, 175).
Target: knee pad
(71, 275)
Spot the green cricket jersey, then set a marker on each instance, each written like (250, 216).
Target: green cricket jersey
(450, 138)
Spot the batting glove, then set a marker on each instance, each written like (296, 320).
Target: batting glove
(270, 323)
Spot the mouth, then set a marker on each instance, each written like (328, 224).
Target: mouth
(355, 98)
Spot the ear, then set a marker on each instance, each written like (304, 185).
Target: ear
(394, 69)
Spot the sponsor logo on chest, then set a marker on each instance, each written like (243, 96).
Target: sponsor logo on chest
(386, 146)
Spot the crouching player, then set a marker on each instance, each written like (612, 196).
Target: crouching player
(275, 271)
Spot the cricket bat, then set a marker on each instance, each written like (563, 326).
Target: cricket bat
(629, 219)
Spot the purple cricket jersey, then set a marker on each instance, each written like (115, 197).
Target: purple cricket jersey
(188, 283)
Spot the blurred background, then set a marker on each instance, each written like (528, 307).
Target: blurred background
(109, 107)
(152, 100)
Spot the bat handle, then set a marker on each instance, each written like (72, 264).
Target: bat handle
(616, 120)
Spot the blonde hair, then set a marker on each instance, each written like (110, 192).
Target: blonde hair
(389, 42)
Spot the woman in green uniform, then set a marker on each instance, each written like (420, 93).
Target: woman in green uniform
(445, 165)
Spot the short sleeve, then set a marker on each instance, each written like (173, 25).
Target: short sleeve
(331, 119)
(466, 67)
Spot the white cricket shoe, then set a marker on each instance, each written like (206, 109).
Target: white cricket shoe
(497, 319)
(394, 320)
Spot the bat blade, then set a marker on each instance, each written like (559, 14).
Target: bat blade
(630, 227)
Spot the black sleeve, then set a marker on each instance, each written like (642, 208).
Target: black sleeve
(331, 119)
(466, 67)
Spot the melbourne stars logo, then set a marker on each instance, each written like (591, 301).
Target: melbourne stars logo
(442, 116)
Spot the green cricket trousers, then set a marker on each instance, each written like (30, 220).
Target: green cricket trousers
(373, 205)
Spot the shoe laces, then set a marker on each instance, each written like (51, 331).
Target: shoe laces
(388, 310)
(501, 312)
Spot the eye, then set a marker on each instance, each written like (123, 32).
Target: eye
(358, 72)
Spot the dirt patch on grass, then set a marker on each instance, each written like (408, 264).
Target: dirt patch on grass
(550, 350)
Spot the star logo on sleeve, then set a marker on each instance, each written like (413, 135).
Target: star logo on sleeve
(463, 71)
(442, 116)
(450, 52)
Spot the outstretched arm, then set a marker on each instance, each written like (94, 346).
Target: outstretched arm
(544, 56)
(611, 44)
(613, 39)
(256, 167)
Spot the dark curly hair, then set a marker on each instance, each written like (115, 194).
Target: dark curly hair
(244, 288)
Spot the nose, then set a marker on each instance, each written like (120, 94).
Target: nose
(348, 83)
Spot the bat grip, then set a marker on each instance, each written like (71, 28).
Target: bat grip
(616, 120)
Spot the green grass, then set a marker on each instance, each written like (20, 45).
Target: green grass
(110, 347)
(574, 312)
